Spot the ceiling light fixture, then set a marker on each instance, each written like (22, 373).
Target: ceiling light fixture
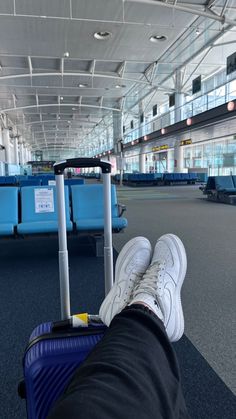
(119, 86)
(197, 31)
(82, 85)
(66, 54)
(62, 98)
(102, 35)
(158, 38)
(73, 109)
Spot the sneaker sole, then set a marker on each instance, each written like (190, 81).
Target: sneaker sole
(179, 323)
(130, 248)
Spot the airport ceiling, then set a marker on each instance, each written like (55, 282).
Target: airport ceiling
(67, 65)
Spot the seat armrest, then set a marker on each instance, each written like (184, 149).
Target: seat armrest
(121, 209)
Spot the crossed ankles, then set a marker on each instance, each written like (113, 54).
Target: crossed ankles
(152, 279)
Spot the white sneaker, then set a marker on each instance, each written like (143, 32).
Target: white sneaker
(131, 264)
(160, 286)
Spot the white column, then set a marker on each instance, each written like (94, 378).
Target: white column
(142, 162)
(178, 158)
(22, 153)
(16, 150)
(117, 127)
(140, 111)
(179, 97)
(6, 142)
(25, 153)
(168, 160)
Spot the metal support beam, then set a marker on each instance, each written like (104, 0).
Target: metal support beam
(70, 105)
(224, 7)
(56, 74)
(121, 69)
(92, 67)
(191, 10)
(100, 101)
(198, 65)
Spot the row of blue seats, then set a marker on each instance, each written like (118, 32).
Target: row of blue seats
(179, 177)
(37, 212)
(166, 178)
(35, 180)
(138, 177)
(91, 175)
(221, 184)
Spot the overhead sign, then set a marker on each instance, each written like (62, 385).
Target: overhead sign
(186, 142)
(160, 147)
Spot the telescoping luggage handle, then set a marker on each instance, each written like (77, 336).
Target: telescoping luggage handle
(63, 252)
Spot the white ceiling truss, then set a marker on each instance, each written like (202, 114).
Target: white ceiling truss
(60, 85)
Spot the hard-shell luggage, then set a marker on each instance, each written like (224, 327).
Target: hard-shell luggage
(55, 350)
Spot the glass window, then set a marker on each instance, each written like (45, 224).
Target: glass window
(220, 96)
(232, 90)
(187, 110)
(200, 105)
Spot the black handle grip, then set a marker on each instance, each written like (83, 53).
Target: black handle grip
(81, 163)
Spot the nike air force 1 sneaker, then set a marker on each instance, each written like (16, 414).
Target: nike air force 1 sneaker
(160, 286)
(131, 264)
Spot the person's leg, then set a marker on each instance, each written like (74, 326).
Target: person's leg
(133, 371)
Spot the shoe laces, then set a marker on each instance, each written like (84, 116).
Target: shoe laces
(152, 282)
(134, 279)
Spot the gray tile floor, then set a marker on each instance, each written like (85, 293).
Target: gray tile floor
(208, 231)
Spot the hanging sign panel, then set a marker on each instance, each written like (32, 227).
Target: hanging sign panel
(43, 198)
(160, 147)
(186, 142)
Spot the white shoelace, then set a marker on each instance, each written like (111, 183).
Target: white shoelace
(151, 282)
(134, 280)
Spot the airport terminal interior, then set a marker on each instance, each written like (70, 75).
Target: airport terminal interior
(148, 86)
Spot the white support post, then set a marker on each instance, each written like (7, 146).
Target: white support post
(179, 97)
(142, 156)
(6, 141)
(22, 153)
(16, 151)
(178, 158)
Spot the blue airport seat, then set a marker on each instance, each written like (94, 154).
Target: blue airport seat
(211, 184)
(46, 178)
(125, 177)
(88, 208)
(30, 182)
(2, 180)
(234, 180)
(72, 182)
(40, 222)
(158, 176)
(21, 177)
(225, 184)
(10, 180)
(168, 178)
(8, 210)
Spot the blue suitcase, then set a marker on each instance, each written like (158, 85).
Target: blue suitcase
(56, 350)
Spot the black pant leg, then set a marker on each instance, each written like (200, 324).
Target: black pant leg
(131, 373)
